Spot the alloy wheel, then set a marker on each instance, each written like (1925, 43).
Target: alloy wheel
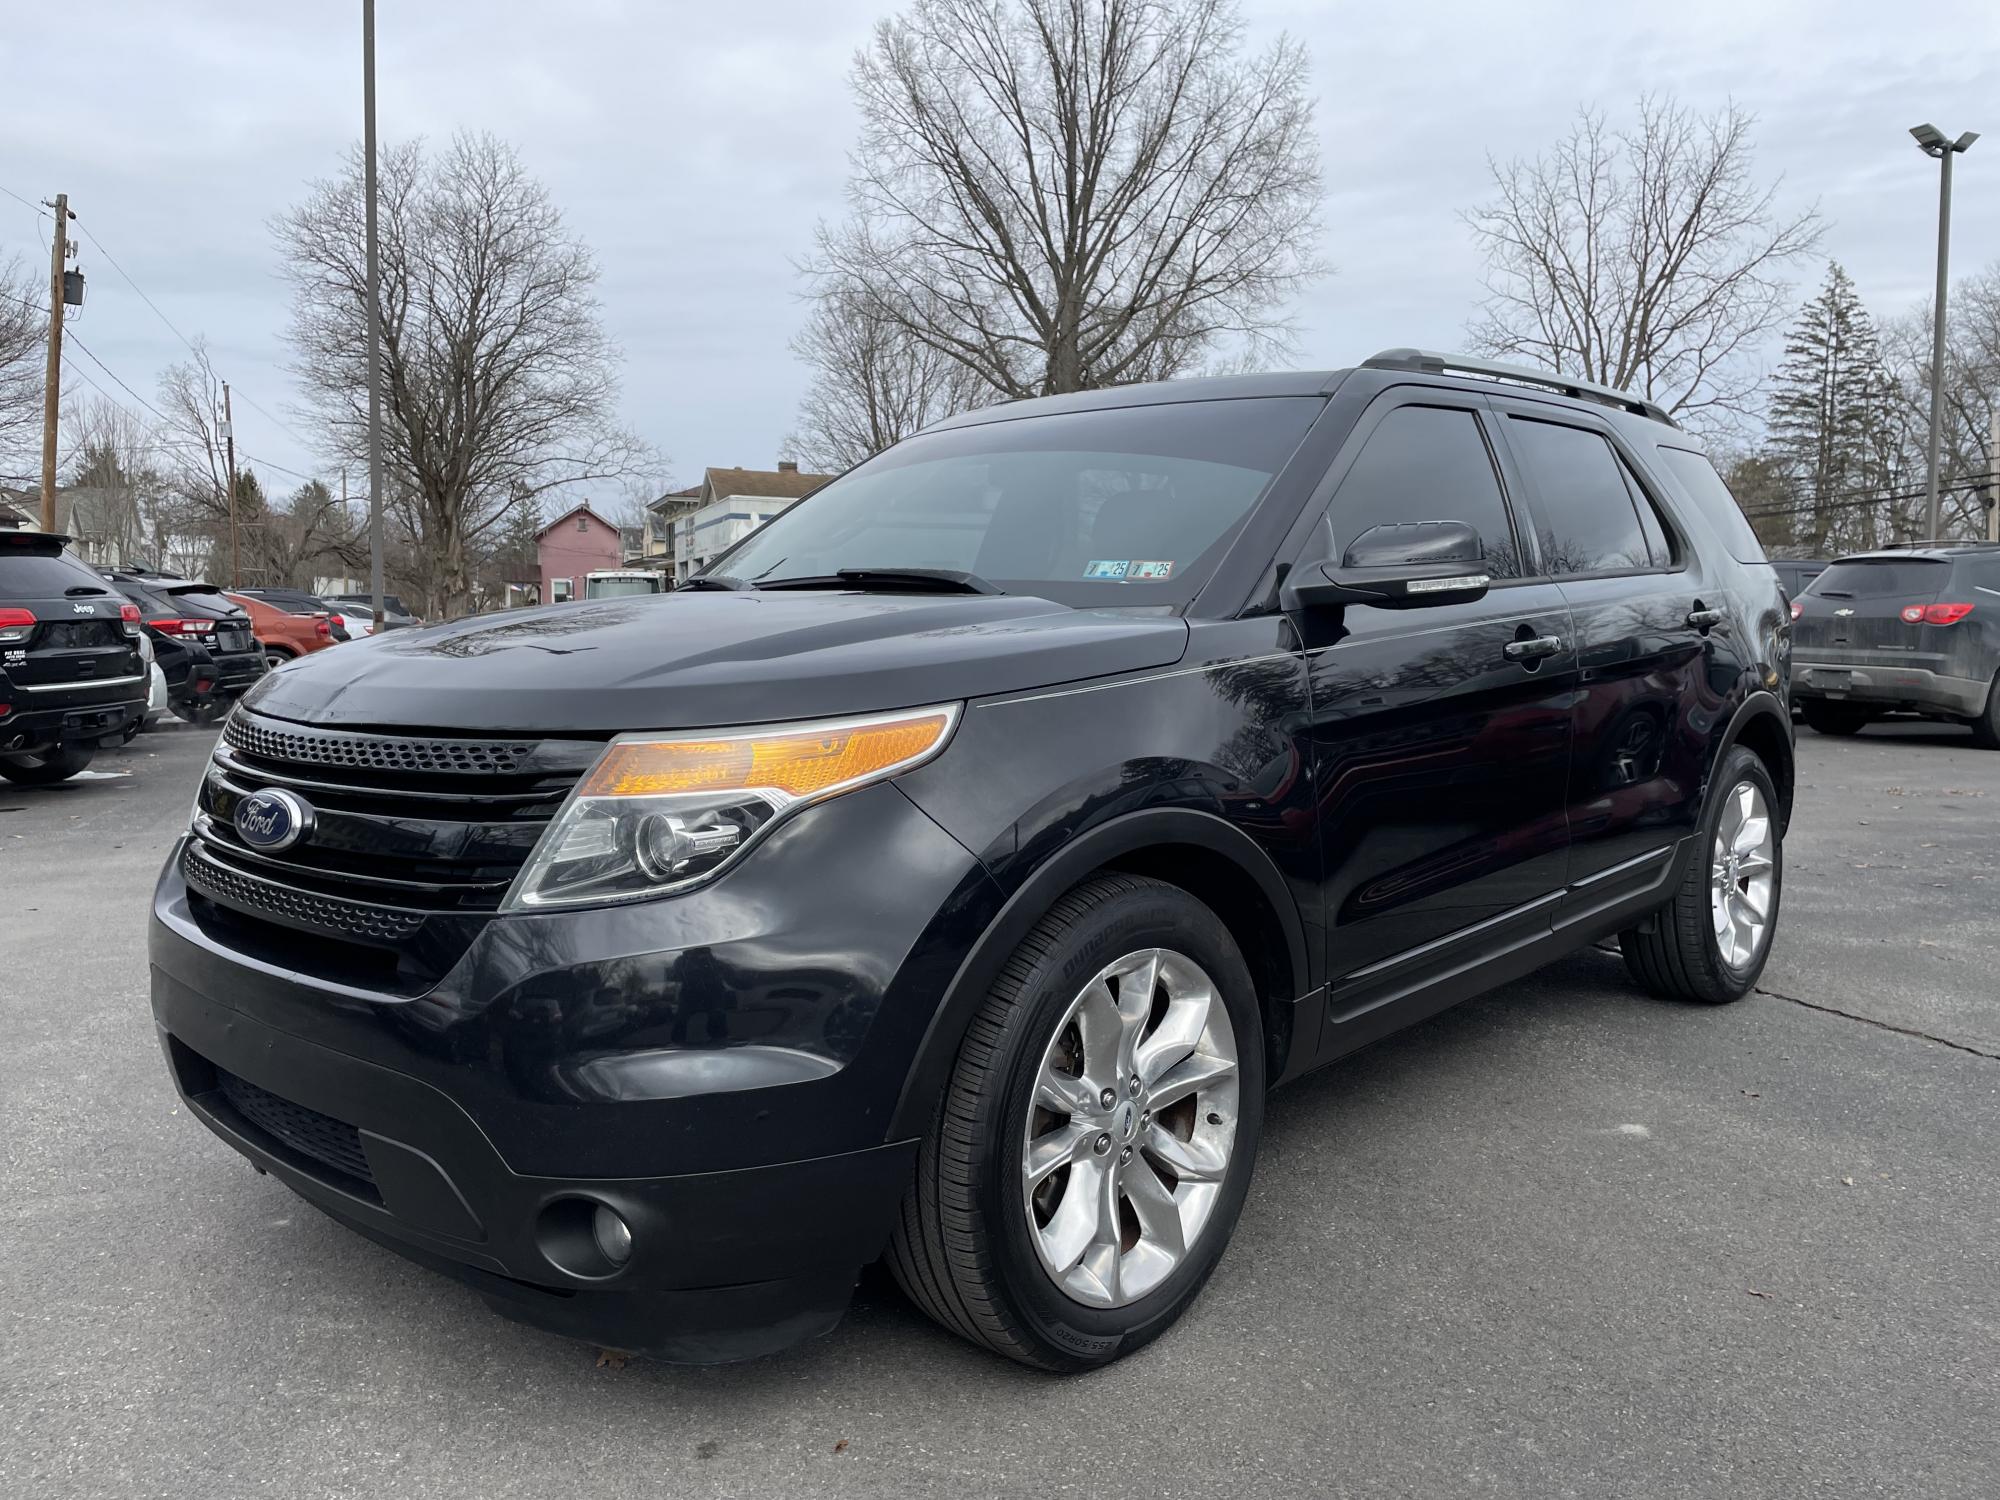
(1132, 1127)
(1741, 888)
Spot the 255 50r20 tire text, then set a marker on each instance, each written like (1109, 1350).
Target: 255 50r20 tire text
(964, 1248)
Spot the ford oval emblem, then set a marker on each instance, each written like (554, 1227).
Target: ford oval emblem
(271, 820)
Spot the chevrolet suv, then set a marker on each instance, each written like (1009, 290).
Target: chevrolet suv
(948, 872)
(1912, 630)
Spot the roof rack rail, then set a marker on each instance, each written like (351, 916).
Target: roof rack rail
(1959, 543)
(1430, 362)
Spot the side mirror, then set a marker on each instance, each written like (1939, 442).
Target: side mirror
(1402, 566)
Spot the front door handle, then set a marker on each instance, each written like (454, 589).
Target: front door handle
(1532, 649)
(1702, 619)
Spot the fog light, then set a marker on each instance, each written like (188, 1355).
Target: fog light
(612, 1234)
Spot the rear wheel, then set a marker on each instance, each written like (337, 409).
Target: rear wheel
(277, 656)
(1828, 717)
(1986, 726)
(46, 767)
(1096, 1139)
(1710, 941)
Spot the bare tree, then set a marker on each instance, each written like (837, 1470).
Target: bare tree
(1649, 258)
(24, 327)
(1064, 194)
(874, 383)
(116, 488)
(191, 532)
(1968, 466)
(498, 380)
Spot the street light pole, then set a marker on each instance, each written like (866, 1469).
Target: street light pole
(1933, 142)
(374, 317)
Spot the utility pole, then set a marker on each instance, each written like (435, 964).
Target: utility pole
(1933, 142)
(229, 441)
(374, 317)
(1993, 478)
(52, 389)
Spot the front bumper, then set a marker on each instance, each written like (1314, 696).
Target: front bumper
(719, 1069)
(1889, 687)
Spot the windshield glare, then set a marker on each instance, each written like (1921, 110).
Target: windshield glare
(1881, 578)
(1131, 506)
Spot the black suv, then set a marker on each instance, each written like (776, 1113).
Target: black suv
(71, 672)
(1913, 629)
(950, 870)
(207, 650)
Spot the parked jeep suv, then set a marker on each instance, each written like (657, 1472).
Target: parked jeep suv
(951, 869)
(1914, 629)
(71, 672)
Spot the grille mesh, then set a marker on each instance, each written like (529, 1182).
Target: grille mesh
(307, 1131)
(377, 752)
(349, 919)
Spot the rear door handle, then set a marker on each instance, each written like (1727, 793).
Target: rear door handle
(1532, 649)
(1704, 619)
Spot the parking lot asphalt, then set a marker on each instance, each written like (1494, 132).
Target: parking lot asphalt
(1565, 1240)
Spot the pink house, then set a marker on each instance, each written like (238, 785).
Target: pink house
(574, 545)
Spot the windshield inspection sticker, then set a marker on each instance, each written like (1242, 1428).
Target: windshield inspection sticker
(1151, 570)
(1105, 568)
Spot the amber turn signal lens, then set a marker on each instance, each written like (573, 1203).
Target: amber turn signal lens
(801, 761)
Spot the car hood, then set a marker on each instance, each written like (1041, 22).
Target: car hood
(701, 658)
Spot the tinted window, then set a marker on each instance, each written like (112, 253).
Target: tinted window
(1659, 540)
(1588, 524)
(1128, 506)
(35, 574)
(202, 599)
(1705, 490)
(1881, 578)
(1426, 463)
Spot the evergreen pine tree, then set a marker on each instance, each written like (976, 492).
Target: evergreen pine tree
(1834, 436)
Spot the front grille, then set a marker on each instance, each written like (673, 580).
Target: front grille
(354, 920)
(378, 752)
(328, 1141)
(415, 838)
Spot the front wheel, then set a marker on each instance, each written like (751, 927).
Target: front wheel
(1986, 726)
(46, 767)
(1710, 941)
(1097, 1136)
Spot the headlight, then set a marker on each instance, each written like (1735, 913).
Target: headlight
(661, 813)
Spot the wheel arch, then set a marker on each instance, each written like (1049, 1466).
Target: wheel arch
(1762, 727)
(1211, 859)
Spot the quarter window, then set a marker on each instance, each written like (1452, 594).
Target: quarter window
(1588, 523)
(1426, 463)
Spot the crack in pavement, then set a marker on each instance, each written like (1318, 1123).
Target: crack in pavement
(1849, 1015)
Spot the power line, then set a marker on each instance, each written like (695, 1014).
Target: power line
(139, 289)
(121, 384)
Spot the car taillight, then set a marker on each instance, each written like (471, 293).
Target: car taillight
(321, 627)
(128, 619)
(1945, 614)
(340, 621)
(16, 624)
(1797, 609)
(1913, 614)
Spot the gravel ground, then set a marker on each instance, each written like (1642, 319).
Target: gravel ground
(1564, 1240)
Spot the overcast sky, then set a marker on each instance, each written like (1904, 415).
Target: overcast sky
(694, 145)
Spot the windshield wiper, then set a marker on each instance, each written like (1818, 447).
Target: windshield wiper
(713, 581)
(890, 581)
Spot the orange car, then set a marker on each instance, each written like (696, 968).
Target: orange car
(284, 636)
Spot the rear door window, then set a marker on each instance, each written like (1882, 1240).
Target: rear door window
(1426, 463)
(1588, 523)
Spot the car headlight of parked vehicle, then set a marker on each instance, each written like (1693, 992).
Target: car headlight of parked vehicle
(663, 813)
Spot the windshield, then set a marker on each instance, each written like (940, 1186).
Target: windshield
(30, 573)
(1881, 578)
(1129, 506)
(617, 588)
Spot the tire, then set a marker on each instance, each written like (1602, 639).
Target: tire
(46, 767)
(1986, 726)
(276, 657)
(202, 711)
(1680, 953)
(967, 1248)
(1824, 716)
